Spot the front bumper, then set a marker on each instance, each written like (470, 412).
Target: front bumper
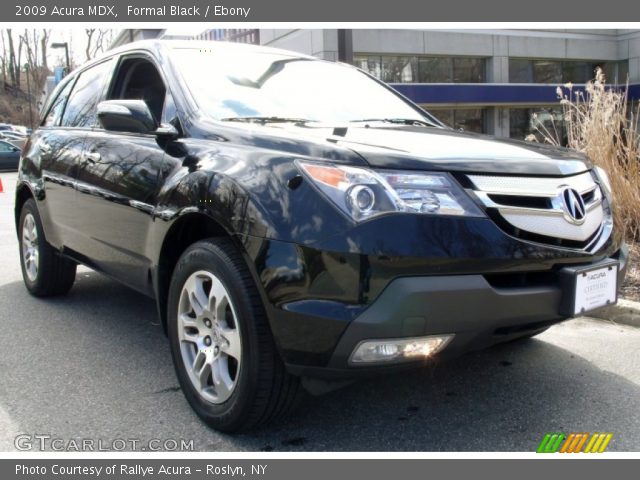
(481, 310)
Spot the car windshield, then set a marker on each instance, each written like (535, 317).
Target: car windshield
(265, 86)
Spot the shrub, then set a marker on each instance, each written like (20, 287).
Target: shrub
(600, 123)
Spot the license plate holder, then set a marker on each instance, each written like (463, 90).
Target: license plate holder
(589, 287)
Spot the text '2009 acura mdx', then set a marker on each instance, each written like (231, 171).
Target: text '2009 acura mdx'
(299, 223)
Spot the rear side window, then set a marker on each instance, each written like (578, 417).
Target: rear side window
(81, 106)
(57, 107)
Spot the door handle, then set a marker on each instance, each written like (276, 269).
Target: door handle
(92, 157)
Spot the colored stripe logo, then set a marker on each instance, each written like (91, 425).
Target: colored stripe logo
(574, 443)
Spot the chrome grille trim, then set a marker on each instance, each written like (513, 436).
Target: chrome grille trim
(553, 225)
(532, 186)
(509, 195)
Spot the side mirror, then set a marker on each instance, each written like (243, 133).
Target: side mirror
(126, 116)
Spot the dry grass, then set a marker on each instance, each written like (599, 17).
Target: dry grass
(631, 287)
(600, 123)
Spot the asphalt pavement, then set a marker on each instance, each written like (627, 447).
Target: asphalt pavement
(96, 365)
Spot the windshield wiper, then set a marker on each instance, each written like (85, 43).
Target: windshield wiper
(272, 119)
(397, 121)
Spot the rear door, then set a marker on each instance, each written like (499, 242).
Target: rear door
(58, 144)
(119, 177)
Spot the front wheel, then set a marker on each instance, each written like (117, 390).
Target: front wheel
(222, 348)
(44, 271)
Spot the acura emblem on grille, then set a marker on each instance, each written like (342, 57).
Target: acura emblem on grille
(573, 205)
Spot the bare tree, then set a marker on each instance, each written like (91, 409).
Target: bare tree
(18, 63)
(98, 40)
(90, 33)
(26, 79)
(32, 42)
(12, 58)
(4, 60)
(44, 40)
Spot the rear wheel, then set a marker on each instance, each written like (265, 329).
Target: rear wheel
(223, 351)
(45, 272)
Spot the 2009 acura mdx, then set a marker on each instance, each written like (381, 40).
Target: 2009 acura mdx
(299, 222)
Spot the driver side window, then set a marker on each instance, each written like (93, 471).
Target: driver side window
(138, 79)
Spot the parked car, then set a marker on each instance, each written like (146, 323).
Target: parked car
(9, 156)
(13, 135)
(17, 143)
(13, 129)
(15, 140)
(20, 130)
(299, 222)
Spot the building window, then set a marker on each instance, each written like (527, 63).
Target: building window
(423, 69)
(435, 70)
(468, 70)
(546, 71)
(243, 35)
(578, 72)
(468, 119)
(520, 70)
(523, 70)
(538, 121)
(370, 65)
(399, 69)
(238, 35)
(622, 72)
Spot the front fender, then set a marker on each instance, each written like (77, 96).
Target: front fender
(250, 191)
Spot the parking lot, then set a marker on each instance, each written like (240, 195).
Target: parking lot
(96, 365)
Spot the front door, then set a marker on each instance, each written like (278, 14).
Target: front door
(117, 184)
(118, 181)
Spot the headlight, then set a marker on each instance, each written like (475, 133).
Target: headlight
(363, 193)
(603, 177)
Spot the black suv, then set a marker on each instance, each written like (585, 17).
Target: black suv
(300, 223)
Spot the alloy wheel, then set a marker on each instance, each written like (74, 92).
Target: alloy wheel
(30, 253)
(209, 335)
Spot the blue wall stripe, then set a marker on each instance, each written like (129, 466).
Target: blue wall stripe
(486, 93)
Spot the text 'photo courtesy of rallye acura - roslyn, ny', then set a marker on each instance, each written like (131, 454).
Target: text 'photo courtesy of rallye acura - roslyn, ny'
(301, 224)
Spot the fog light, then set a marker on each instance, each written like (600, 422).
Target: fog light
(399, 349)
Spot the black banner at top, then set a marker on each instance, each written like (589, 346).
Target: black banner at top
(318, 11)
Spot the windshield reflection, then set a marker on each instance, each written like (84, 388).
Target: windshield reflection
(235, 84)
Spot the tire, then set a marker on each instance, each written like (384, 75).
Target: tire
(44, 271)
(212, 296)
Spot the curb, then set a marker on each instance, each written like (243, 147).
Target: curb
(626, 312)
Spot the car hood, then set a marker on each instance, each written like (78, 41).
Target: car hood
(405, 147)
(443, 149)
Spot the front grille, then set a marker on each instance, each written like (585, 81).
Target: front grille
(522, 202)
(545, 239)
(536, 208)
